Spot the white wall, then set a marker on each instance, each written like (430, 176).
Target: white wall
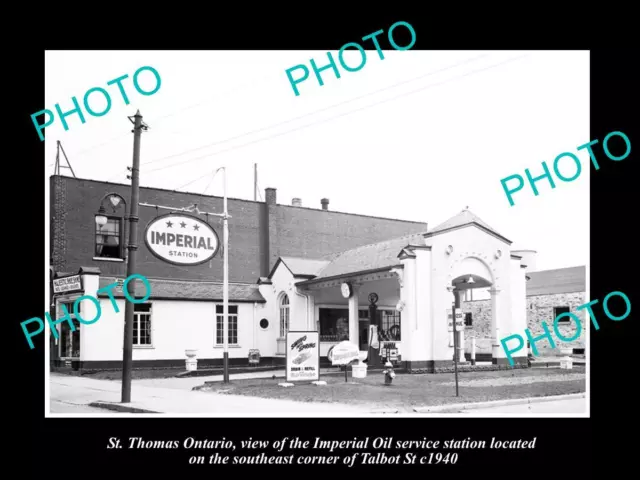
(467, 242)
(518, 323)
(175, 327)
(284, 282)
(416, 318)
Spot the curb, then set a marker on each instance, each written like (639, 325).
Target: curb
(497, 403)
(119, 407)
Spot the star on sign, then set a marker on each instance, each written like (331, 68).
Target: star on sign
(169, 224)
(183, 225)
(196, 227)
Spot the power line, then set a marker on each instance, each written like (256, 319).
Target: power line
(316, 111)
(175, 112)
(308, 114)
(337, 116)
(212, 177)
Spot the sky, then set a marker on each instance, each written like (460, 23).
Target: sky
(419, 135)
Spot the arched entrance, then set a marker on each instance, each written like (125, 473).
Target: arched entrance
(472, 273)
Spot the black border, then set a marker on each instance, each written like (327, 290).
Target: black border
(562, 444)
(180, 214)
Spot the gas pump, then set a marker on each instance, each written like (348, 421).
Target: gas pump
(374, 358)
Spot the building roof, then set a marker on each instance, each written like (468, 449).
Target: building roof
(561, 280)
(302, 267)
(369, 257)
(188, 290)
(462, 219)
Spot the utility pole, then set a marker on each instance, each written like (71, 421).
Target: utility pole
(127, 351)
(225, 283)
(255, 182)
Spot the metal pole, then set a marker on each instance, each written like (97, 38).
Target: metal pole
(127, 351)
(455, 343)
(225, 286)
(255, 182)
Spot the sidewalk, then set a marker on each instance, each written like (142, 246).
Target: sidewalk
(573, 403)
(154, 399)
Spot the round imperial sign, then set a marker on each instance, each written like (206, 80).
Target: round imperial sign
(181, 239)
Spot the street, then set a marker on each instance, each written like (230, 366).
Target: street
(64, 407)
(573, 405)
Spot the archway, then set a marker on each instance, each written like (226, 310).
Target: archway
(471, 276)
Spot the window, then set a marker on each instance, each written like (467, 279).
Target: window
(468, 319)
(559, 310)
(232, 326)
(284, 315)
(109, 239)
(334, 324)
(141, 324)
(390, 325)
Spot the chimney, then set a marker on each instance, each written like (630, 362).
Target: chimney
(270, 196)
(296, 202)
(325, 203)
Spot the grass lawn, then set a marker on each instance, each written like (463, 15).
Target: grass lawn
(408, 391)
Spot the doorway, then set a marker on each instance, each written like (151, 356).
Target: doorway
(69, 342)
(363, 335)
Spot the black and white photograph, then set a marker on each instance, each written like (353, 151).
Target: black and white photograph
(307, 242)
(303, 245)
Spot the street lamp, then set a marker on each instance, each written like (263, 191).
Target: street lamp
(115, 200)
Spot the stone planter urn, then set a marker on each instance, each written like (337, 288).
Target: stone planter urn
(191, 362)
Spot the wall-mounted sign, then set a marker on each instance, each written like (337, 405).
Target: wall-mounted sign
(343, 353)
(67, 284)
(345, 288)
(303, 356)
(459, 319)
(181, 239)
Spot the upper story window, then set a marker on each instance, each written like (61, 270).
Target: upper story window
(109, 239)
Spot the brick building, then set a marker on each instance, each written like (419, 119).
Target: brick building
(288, 269)
(259, 234)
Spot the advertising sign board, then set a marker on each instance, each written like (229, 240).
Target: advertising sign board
(181, 239)
(303, 356)
(67, 284)
(343, 353)
(459, 320)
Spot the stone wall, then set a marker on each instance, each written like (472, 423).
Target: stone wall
(481, 329)
(539, 310)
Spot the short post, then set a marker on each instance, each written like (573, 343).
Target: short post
(473, 350)
(455, 345)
